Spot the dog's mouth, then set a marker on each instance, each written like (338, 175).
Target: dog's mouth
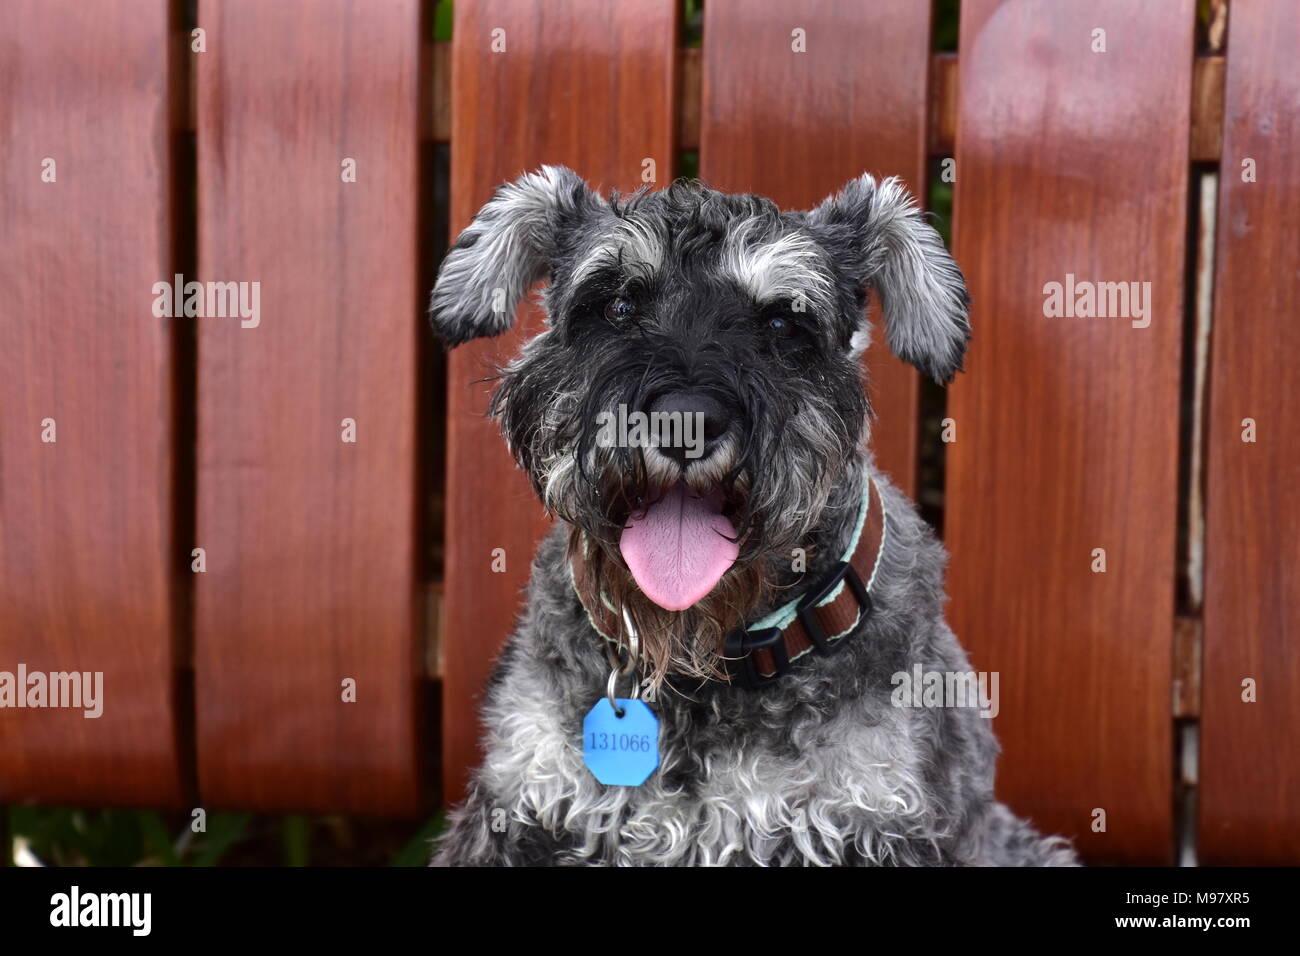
(679, 545)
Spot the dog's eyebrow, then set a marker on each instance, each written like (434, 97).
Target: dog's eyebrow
(788, 267)
(634, 247)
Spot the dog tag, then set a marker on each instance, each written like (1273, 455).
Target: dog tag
(621, 751)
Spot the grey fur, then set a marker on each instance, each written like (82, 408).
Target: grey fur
(821, 768)
(921, 288)
(509, 246)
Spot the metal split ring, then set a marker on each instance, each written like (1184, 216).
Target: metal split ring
(634, 652)
(611, 687)
(633, 644)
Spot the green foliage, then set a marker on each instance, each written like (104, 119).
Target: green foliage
(688, 165)
(296, 836)
(442, 20)
(224, 831)
(67, 837)
(946, 17)
(693, 22)
(940, 207)
(75, 837)
(417, 851)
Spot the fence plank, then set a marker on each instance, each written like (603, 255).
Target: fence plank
(1072, 162)
(795, 126)
(583, 83)
(310, 540)
(86, 566)
(1250, 764)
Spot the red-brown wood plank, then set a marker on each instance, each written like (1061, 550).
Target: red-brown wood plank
(87, 565)
(1071, 161)
(310, 541)
(796, 126)
(1250, 752)
(583, 83)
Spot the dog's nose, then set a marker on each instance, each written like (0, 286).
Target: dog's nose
(695, 432)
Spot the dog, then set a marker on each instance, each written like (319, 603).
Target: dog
(758, 594)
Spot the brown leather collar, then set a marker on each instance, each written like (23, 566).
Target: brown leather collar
(819, 621)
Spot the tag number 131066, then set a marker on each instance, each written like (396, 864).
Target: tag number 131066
(629, 743)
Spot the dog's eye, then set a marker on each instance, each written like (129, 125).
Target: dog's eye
(782, 328)
(620, 310)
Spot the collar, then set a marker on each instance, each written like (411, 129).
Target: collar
(819, 621)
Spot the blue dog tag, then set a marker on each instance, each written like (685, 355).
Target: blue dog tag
(621, 751)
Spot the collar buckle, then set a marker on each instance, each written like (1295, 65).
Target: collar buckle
(806, 612)
(739, 654)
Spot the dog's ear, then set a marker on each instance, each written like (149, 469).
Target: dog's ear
(888, 245)
(511, 243)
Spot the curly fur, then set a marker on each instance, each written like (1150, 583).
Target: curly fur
(822, 770)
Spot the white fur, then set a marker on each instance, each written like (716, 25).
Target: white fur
(788, 268)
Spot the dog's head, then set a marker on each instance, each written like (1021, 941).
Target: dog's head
(698, 390)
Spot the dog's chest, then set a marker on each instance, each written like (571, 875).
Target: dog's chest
(817, 791)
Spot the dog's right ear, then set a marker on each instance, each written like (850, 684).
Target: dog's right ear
(510, 244)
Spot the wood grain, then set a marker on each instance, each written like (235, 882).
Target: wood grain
(796, 126)
(1250, 752)
(1207, 101)
(1072, 162)
(582, 83)
(311, 568)
(87, 564)
(1207, 106)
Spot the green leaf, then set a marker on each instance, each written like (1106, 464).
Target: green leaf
(296, 837)
(156, 836)
(224, 829)
(442, 17)
(418, 851)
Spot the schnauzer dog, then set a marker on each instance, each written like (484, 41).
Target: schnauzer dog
(758, 594)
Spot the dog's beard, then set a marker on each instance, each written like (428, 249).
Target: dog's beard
(690, 642)
(687, 642)
(777, 518)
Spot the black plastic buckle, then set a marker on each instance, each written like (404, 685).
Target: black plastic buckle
(739, 649)
(821, 641)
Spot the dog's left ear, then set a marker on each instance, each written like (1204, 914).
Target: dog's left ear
(512, 243)
(888, 245)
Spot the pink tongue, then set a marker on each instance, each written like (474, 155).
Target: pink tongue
(676, 549)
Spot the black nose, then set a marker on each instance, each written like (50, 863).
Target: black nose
(680, 436)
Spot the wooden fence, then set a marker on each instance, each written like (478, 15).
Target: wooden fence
(181, 510)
